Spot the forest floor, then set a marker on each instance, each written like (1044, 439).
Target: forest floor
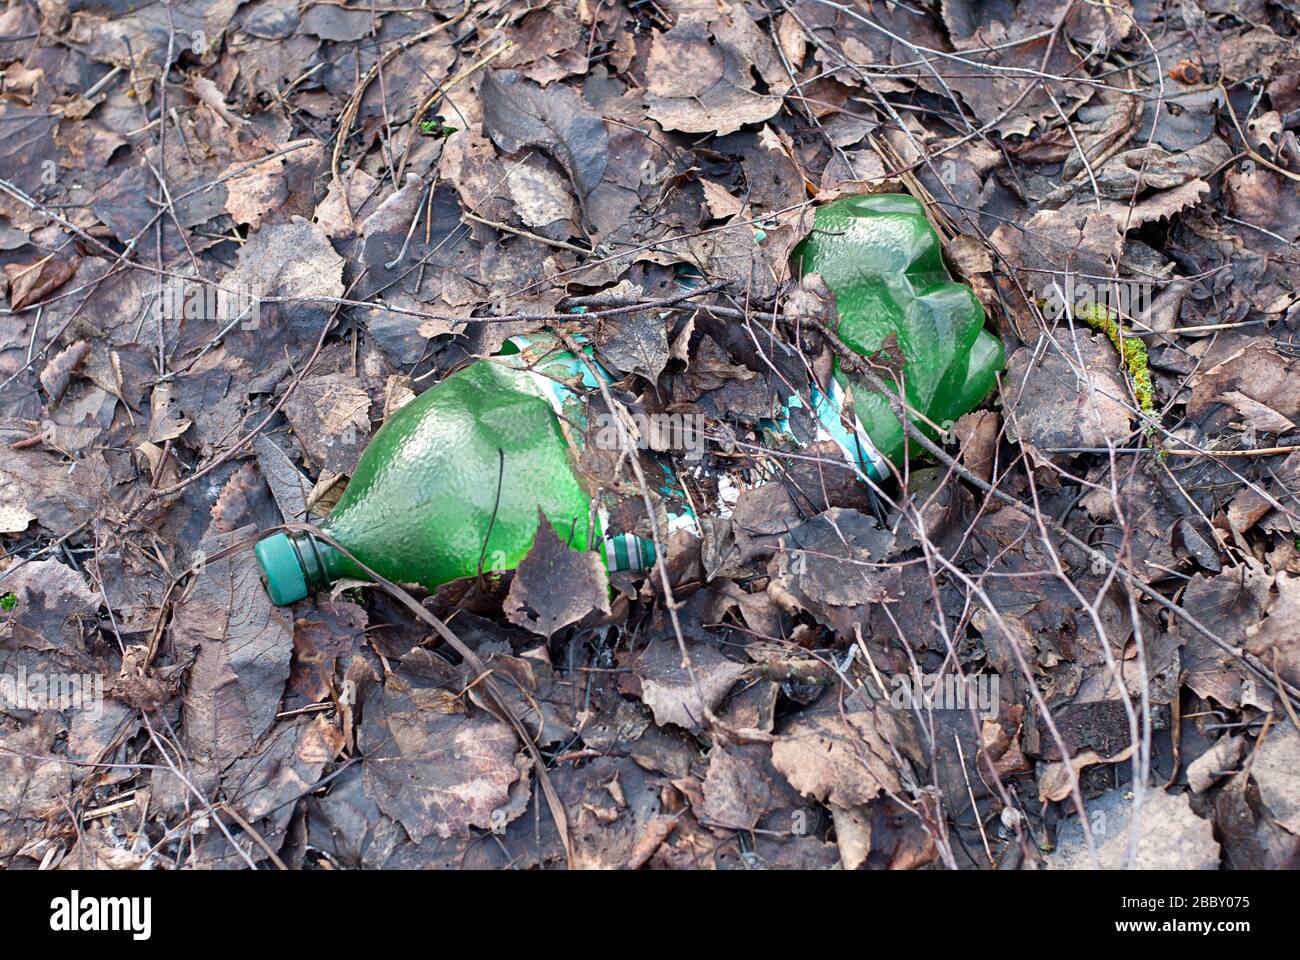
(1068, 634)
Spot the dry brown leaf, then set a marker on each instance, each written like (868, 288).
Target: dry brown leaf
(668, 689)
(554, 585)
(58, 373)
(844, 760)
(31, 282)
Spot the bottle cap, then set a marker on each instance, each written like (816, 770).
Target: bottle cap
(281, 570)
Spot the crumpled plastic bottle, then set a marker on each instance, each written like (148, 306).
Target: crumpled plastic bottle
(881, 258)
(451, 485)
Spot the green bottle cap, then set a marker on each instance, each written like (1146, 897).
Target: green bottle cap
(281, 570)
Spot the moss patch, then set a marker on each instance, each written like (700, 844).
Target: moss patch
(1134, 354)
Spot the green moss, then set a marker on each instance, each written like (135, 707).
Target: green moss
(1134, 354)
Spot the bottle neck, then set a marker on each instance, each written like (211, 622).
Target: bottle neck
(321, 563)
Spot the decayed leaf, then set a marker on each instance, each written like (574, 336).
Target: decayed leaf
(1276, 641)
(548, 44)
(540, 196)
(334, 213)
(1054, 782)
(1154, 206)
(978, 433)
(52, 600)
(1170, 836)
(165, 420)
(700, 78)
(331, 419)
(517, 113)
(1256, 373)
(32, 780)
(1229, 604)
(436, 773)
(14, 517)
(1214, 763)
(636, 343)
(842, 759)
(989, 93)
(1276, 769)
(968, 256)
(829, 565)
(741, 786)
(244, 499)
(29, 283)
(59, 371)
(1146, 167)
(207, 93)
(98, 849)
(1264, 198)
(1052, 241)
(555, 586)
(288, 484)
(1053, 403)
(669, 690)
(1264, 418)
(32, 481)
(264, 783)
(852, 835)
(615, 818)
(789, 33)
(293, 260)
(721, 203)
(240, 644)
(253, 191)
(330, 22)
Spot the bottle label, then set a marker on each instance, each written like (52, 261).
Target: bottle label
(831, 409)
(556, 374)
(835, 420)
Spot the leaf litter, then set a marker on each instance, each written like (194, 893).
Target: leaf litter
(1070, 625)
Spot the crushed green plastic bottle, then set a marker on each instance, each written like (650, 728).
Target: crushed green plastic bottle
(881, 258)
(451, 485)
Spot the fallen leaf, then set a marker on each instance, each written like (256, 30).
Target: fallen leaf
(1217, 762)
(517, 113)
(554, 585)
(1052, 402)
(31, 282)
(1276, 770)
(1276, 641)
(330, 415)
(436, 773)
(1170, 835)
(843, 758)
(59, 371)
(254, 191)
(671, 691)
(702, 73)
(636, 343)
(240, 644)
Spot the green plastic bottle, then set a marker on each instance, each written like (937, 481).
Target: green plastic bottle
(483, 450)
(453, 482)
(881, 258)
